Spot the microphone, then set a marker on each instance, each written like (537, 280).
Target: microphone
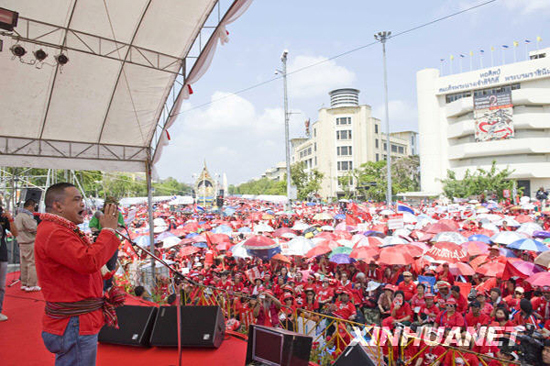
(98, 215)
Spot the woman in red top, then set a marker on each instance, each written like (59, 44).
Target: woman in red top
(400, 311)
(418, 300)
(450, 318)
(526, 315)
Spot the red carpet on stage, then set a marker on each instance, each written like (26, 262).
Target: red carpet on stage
(21, 342)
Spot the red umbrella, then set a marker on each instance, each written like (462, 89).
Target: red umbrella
(448, 252)
(224, 246)
(219, 238)
(474, 248)
(327, 235)
(317, 251)
(522, 219)
(491, 269)
(450, 223)
(280, 257)
(395, 255)
(260, 242)
(191, 227)
(459, 268)
(438, 227)
(284, 230)
(179, 232)
(539, 279)
(185, 251)
(342, 234)
(369, 241)
(364, 253)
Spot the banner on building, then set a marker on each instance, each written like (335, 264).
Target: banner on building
(493, 114)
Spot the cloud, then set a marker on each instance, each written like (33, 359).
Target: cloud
(231, 135)
(403, 115)
(527, 6)
(318, 80)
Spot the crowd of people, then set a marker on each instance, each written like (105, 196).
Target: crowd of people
(462, 265)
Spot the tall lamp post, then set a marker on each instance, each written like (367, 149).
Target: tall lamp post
(382, 37)
(287, 141)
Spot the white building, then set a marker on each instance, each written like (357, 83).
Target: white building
(501, 113)
(344, 137)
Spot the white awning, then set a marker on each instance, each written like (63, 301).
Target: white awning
(108, 107)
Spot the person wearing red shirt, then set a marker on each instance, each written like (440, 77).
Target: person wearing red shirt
(418, 301)
(461, 302)
(431, 354)
(514, 299)
(450, 318)
(525, 315)
(344, 308)
(446, 275)
(325, 293)
(407, 286)
(429, 312)
(475, 318)
(486, 308)
(542, 304)
(68, 268)
(401, 311)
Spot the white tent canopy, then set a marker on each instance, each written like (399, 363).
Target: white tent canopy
(131, 62)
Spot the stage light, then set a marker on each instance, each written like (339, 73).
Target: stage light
(18, 50)
(61, 59)
(40, 55)
(8, 19)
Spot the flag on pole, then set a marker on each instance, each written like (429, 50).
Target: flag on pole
(462, 55)
(481, 51)
(527, 41)
(539, 39)
(504, 46)
(402, 207)
(452, 57)
(471, 53)
(516, 43)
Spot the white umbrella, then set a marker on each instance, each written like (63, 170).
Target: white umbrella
(509, 221)
(300, 226)
(409, 218)
(288, 235)
(297, 246)
(345, 242)
(263, 228)
(491, 227)
(327, 228)
(529, 228)
(239, 251)
(393, 240)
(170, 242)
(506, 237)
(387, 212)
(451, 236)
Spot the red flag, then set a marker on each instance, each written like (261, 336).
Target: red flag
(351, 220)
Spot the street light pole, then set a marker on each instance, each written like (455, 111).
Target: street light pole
(382, 37)
(287, 141)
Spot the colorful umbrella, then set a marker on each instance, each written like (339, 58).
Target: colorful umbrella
(364, 253)
(480, 237)
(520, 268)
(340, 250)
(459, 268)
(341, 259)
(543, 259)
(317, 251)
(528, 244)
(438, 228)
(281, 258)
(506, 237)
(185, 251)
(450, 236)
(284, 230)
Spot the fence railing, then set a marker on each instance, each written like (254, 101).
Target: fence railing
(331, 335)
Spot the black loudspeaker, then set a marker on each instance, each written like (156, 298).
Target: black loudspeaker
(278, 347)
(201, 326)
(32, 193)
(135, 324)
(354, 356)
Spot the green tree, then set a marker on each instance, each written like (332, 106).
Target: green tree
(481, 181)
(306, 183)
(260, 186)
(371, 177)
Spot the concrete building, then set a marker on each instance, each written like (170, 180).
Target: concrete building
(344, 137)
(277, 173)
(500, 113)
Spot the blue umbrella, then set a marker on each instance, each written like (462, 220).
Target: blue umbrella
(541, 234)
(143, 241)
(222, 229)
(229, 211)
(310, 204)
(245, 229)
(374, 233)
(340, 217)
(264, 254)
(200, 245)
(480, 237)
(191, 235)
(528, 244)
(507, 253)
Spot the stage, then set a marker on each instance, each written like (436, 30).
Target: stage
(21, 343)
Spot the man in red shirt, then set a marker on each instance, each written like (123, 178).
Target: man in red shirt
(542, 304)
(407, 286)
(475, 318)
(450, 318)
(68, 268)
(344, 308)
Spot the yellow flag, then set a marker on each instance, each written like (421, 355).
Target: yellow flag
(516, 43)
(471, 53)
(452, 57)
(539, 38)
(492, 48)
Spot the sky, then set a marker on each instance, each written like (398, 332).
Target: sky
(242, 134)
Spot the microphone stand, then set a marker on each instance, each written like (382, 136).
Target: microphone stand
(177, 277)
